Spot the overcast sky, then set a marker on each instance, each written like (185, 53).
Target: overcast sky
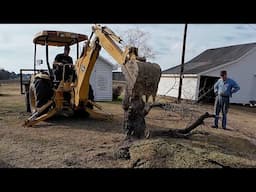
(16, 47)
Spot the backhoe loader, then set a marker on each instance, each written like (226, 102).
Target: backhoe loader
(72, 93)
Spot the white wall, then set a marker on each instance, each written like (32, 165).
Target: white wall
(101, 81)
(243, 72)
(253, 87)
(169, 86)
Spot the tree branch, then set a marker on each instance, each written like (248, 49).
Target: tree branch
(198, 122)
(182, 133)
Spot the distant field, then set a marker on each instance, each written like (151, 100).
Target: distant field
(9, 81)
(87, 142)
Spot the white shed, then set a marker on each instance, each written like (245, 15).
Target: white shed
(101, 80)
(203, 71)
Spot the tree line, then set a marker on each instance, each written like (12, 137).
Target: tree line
(6, 75)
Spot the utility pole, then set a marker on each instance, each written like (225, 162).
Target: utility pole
(182, 62)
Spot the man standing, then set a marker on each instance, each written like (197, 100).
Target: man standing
(223, 89)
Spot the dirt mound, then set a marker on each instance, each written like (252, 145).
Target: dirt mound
(181, 153)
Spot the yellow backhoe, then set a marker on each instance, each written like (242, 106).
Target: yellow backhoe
(47, 95)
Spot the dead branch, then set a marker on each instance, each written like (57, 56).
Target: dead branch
(161, 105)
(203, 95)
(198, 122)
(182, 133)
(169, 107)
(176, 133)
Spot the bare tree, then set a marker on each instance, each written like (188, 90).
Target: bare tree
(138, 38)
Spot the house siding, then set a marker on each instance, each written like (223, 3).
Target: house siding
(169, 86)
(101, 81)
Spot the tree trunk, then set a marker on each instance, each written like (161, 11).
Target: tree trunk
(134, 117)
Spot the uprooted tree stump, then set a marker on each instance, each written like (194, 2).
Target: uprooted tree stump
(134, 118)
(123, 150)
(135, 125)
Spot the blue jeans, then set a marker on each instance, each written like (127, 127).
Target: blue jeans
(221, 104)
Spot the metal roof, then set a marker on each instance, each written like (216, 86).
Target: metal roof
(212, 58)
(58, 38)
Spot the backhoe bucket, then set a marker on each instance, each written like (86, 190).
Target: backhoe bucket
(142, 78)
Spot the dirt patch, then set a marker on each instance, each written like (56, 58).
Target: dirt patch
(92, 143)
(173, 153)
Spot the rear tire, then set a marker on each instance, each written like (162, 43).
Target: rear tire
(40, 92)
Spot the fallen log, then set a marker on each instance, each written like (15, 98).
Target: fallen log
(198, 122)
(182, 133)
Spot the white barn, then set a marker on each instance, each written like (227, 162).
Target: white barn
(203, 71)
(101, 80)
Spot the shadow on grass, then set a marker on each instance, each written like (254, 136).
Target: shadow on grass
(83, 122)
(4, 94)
